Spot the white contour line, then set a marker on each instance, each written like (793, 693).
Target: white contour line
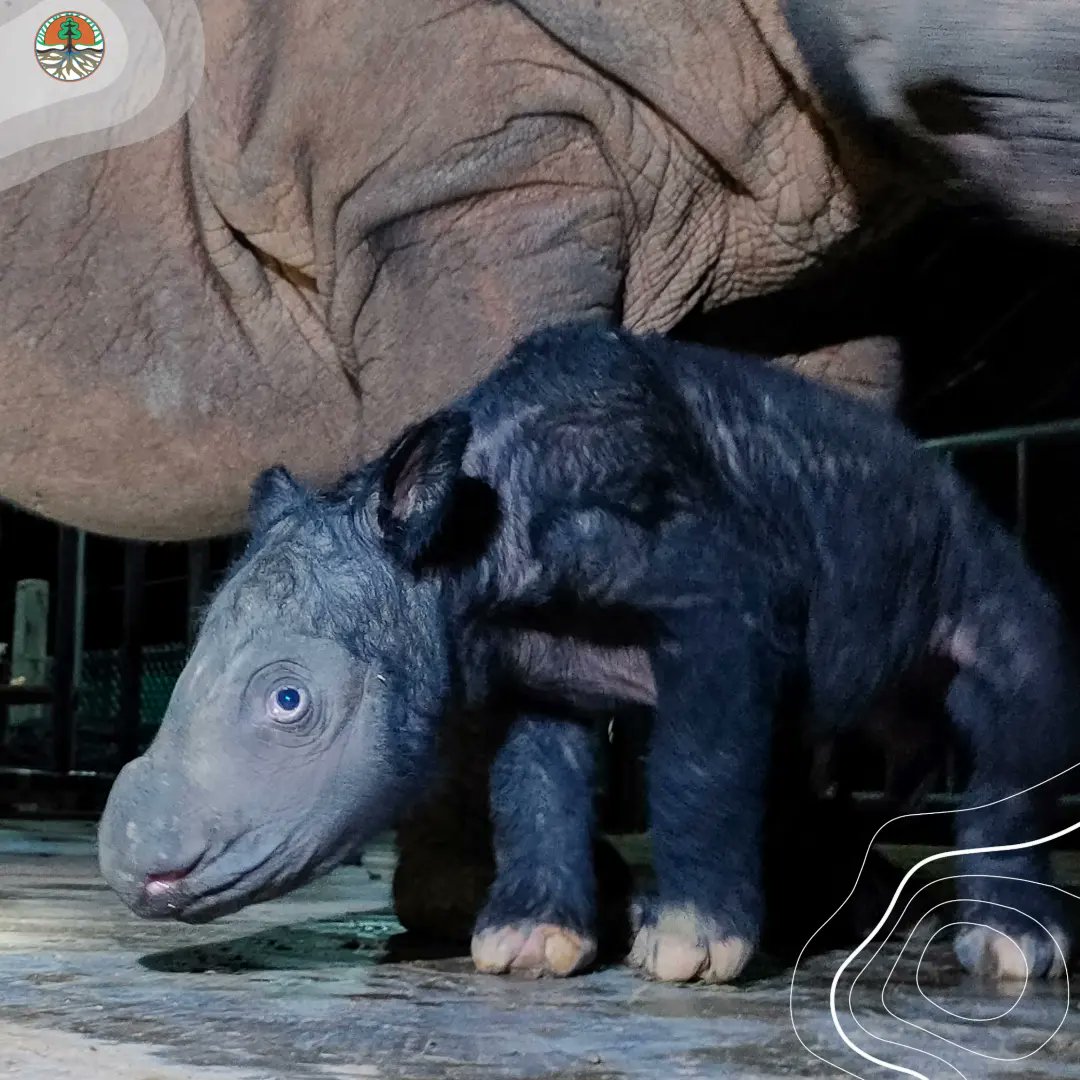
(911, 1023)
(892, 903)
(922, 957)
(1020, 996)
(934, 858)
(942, 1038)
(943, 903)
(919, 1027)
(954, 877)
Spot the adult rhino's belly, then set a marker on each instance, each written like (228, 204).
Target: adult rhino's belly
(161, 438)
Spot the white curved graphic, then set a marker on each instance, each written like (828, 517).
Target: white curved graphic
(147, 65)
(849, 960)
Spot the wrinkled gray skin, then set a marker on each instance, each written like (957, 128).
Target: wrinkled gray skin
(345, 233)
(342, 235)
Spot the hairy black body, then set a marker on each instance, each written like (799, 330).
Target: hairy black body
(605, 520)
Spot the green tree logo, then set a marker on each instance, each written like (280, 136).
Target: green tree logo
(70, 32)
(69, 46)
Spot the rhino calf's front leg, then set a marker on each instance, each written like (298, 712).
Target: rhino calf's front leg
(706, 770)
(540, 915)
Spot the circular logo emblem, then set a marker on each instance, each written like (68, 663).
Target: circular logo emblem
(69, 46)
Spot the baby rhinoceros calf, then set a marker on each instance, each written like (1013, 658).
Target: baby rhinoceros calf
(606, 519)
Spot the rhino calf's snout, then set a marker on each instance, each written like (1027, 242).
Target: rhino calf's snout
(145, 864)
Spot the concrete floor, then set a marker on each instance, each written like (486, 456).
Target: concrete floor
(314, 986)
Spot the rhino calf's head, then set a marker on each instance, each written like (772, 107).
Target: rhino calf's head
(305, 718)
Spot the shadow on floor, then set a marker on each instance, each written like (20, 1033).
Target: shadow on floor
(351, 940)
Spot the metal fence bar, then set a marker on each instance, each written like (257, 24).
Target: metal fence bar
(63, 673)
(131, 651)
(1059, 429)
(198, 582)
(1021, 489)
(79, 630)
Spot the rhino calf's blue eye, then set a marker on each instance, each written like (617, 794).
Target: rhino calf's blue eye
(288, 699)
(287, 703)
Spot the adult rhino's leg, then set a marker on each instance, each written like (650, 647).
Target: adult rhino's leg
(869, 368)
(832, 327)
(990, 88)
(445, 861)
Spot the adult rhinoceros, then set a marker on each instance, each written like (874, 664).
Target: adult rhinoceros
(368, 201)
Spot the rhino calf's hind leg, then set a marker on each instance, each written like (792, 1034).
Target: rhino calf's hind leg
(1010, 925)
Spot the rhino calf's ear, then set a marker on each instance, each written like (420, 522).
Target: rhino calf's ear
(274, 493)
(418, 479)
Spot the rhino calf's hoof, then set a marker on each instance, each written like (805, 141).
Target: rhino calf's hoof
(681, 945)
(988, 951)
(536, 948)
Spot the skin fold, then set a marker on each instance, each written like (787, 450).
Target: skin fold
(339, 237)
